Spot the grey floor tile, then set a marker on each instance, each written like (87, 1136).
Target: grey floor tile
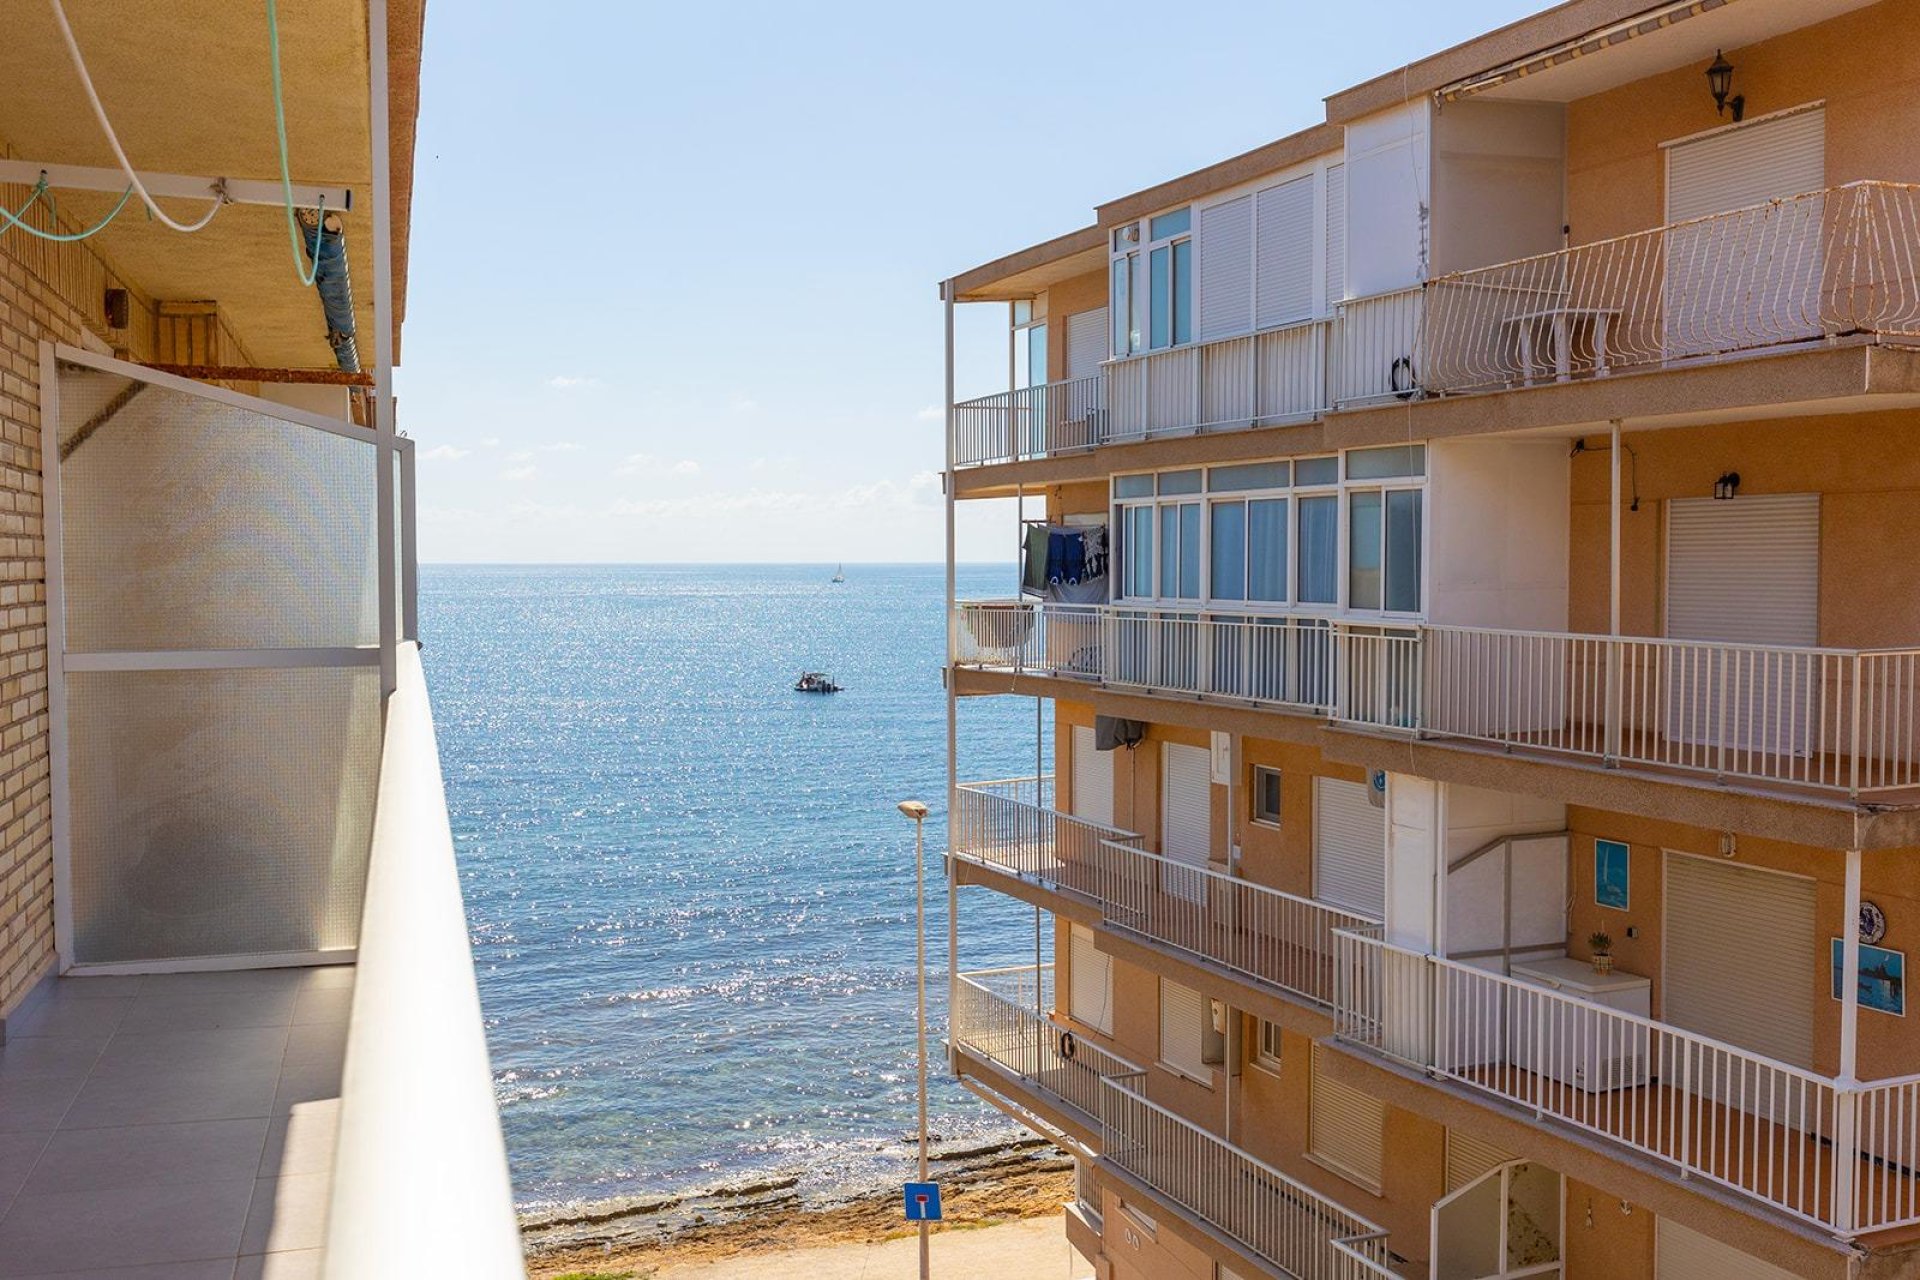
(148, 1155)
(328, 1004)
(127, 1227)
(18, 1152)
(319, 1042)
(70, 1016)
(329, 975)
(99, 986)
(309, 1082)
(287, 1213)
(50, 1056)
(253, 1049)
(214, 1269)
(299, 1264)
(229, 1091)
(302, 1141)
(265, 1007)
(37, 1103)
(202, 985)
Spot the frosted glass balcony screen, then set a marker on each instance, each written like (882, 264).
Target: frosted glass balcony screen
(220, 812)
(220, 802)
(191, 523)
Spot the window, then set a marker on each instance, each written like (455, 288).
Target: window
(1345, 1127)
(1090, 995)
(1267, 1052)
(1151, 285)
(1266, 794)
(1188, 1041)
(1383, 550)
(1319, 553)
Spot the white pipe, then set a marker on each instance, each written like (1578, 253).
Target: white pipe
(953, 701)
(378, 116)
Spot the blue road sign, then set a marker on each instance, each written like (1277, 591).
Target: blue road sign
(923, 1202)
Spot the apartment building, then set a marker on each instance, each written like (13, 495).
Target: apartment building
(239, 1032)
(1475, 604)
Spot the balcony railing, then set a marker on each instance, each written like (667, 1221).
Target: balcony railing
(1838, 263)
(1833, 263)
(1271, 1215)
(1270, 937)
(420, 1180)
(1268, 1213)
(1838, 720)
(1841, 1156)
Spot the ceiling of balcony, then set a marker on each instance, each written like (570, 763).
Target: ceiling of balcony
(1734, 25)
(187, 85)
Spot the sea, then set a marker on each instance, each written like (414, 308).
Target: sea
(689, 889)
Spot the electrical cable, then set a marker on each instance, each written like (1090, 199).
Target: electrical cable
(301, 255)
(113, 139)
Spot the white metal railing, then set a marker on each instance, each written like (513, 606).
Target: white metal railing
(1275, 938)
(1841, 1156)
(1830, 263)
(1032, 422)
(1271, 1215)
(994, 1019)
(1003, 824)
(1844, 720)
(420, 1181)
(1378, 348)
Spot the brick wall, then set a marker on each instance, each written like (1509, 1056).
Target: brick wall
(48, 292)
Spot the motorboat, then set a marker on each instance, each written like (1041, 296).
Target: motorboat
(815, 682)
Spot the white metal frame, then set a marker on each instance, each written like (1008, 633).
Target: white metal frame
(1503, 1171)
(79, 177)
(60, 662)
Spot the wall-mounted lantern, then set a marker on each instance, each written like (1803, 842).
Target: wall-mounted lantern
(1720, 82)
(1726, 486)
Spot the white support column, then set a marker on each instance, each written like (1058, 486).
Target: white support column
(953, 697)
(1611, 745)
(382, 218)
(409, 545)
(1846, 1101)
(1013, 389)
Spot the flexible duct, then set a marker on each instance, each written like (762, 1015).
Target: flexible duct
(327, 247)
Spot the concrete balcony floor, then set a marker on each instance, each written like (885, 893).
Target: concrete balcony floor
(172, 1126)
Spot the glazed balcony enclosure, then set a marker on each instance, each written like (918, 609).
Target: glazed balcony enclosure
(1838, 721)
(1007, 1040)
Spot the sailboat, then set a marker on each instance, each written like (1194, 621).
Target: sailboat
(840, 573)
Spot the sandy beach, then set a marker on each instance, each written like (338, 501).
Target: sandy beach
(1002, 1220)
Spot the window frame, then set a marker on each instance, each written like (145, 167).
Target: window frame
(1134, 245)
(1267, 1046)
(1254, 812)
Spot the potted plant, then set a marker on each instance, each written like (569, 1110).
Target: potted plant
(1600, 943)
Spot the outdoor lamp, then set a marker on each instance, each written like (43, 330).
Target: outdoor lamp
(1720, 82)
(1726, 486)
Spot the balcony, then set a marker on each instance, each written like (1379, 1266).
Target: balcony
(1835, 1154)
(1265, 1213)
(1274, 940)
(1838, 265)
(1819, 720)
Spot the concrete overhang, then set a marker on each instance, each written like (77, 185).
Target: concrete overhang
(1032, 270)
(187, 85)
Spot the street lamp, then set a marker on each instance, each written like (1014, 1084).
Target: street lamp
(917, 811)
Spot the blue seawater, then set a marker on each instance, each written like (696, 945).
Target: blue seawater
(690, 894)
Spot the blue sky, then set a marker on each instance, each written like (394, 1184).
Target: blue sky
(673, 271)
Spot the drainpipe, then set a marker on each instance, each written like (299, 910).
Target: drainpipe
(1846, 1088)
(1611, 745)
(326, 243)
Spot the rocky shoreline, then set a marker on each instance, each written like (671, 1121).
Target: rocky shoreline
(994, 1183)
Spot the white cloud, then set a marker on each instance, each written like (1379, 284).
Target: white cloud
(560, 446)
(519, 473)
(647, 464)
(491, 442)
(930, 414)
(520, 455)
(444, 453)
(742, 403)
(572, 382)
(886, 495)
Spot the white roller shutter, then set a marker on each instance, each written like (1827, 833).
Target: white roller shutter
(1092, 779)
(1744, 572)
(1285, 260)
(1091, 995)
(1731, 287)
(1087, 339)
(1681, 1253)
(1718, 982)
(1186, 814)
(1225, 247)
(1336, 234)
(1346, 1127)
(1183, 1029)
(1469, 1158)
(1349, 847)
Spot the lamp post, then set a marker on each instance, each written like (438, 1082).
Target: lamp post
(917, 811)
